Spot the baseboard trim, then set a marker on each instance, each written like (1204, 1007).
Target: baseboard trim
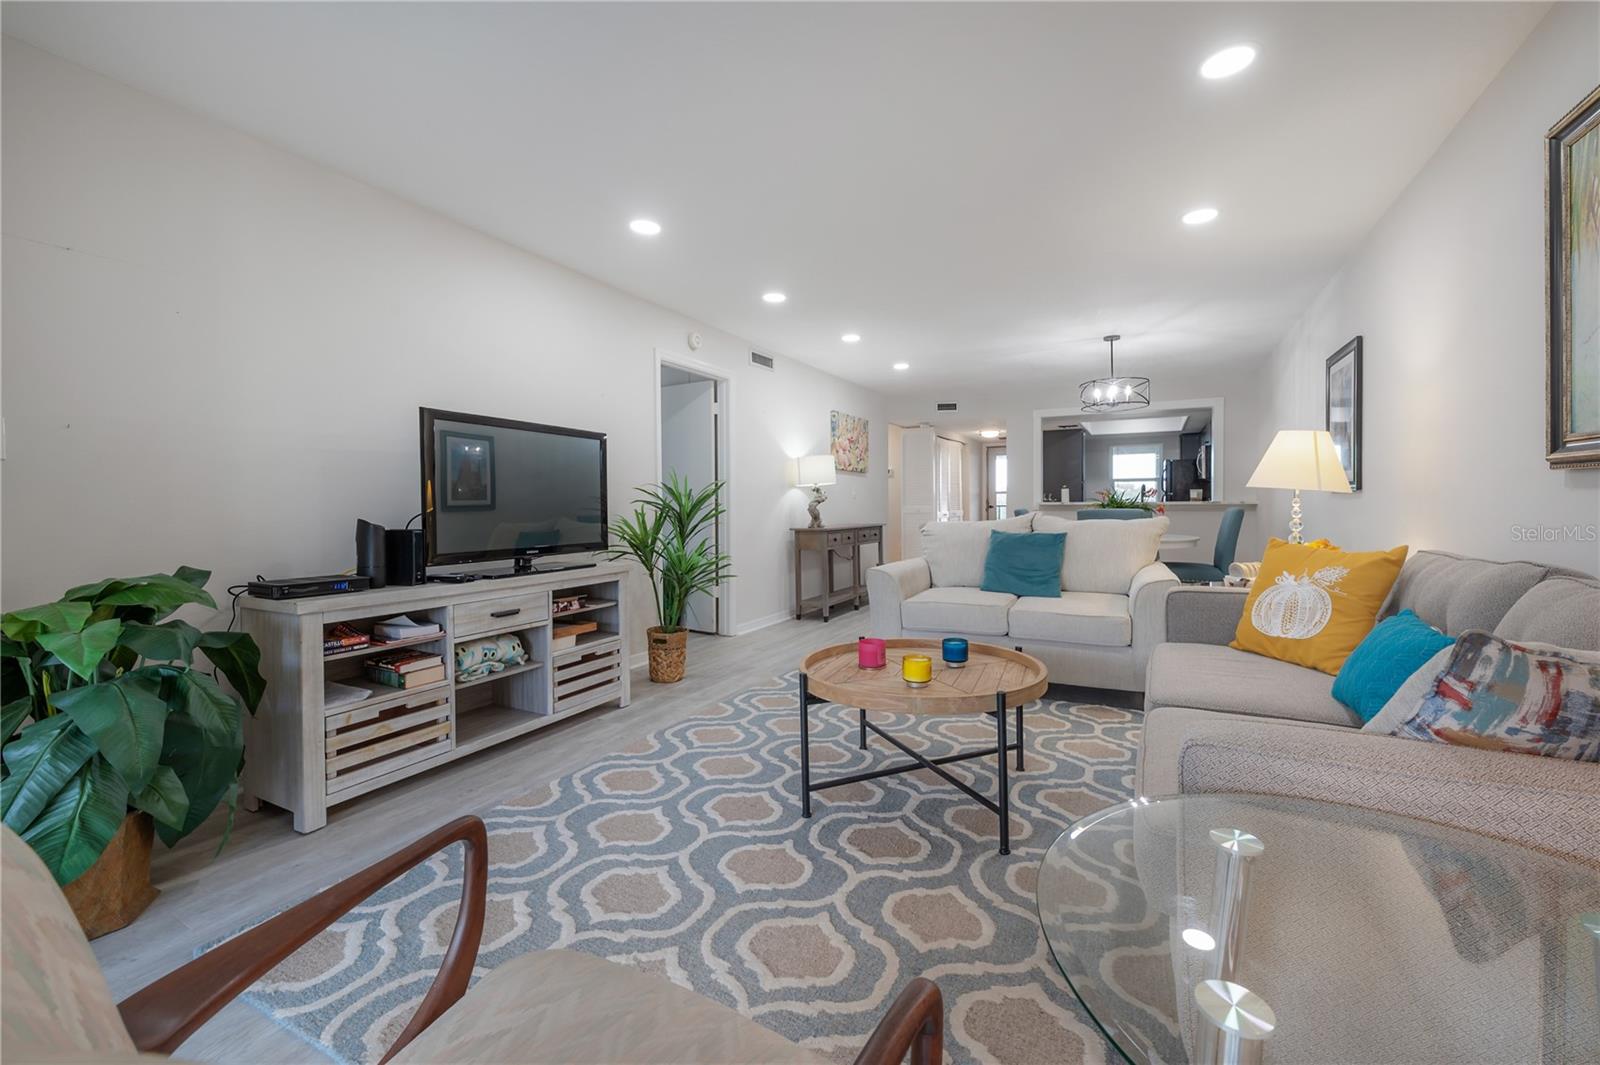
(762, 623)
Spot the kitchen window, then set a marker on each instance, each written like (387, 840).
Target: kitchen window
(1136, 469)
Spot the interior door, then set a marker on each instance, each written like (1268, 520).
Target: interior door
(689, 413)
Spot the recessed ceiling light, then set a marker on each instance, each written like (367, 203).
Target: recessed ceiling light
(1228, 62)
(851, 338)
(645, 227)
(989, 434)
(902, 366)
(1200, 216)
(774, 297)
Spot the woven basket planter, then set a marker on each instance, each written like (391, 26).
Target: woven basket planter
(116, 888)
(667, 653)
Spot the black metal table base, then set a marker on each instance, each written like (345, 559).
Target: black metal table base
(1001, 809)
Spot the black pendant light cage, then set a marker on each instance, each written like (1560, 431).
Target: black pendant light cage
(1114, 393)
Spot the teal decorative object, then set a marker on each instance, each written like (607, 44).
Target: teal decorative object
(1025, 563)
(1395, 648)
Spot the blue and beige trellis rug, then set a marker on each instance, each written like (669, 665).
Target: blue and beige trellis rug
(686, 855)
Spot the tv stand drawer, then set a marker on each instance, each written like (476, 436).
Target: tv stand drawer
(504, 612)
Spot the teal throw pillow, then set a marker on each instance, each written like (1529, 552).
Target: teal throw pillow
(1025, 563)
(1395, 648)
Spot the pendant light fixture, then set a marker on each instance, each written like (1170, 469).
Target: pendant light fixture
(1113, 393)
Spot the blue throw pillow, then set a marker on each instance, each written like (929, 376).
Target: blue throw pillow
(1025, 563)
(1395, 648)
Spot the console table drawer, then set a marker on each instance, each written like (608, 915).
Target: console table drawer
(869, 536)
(497, 615)
(846, 536)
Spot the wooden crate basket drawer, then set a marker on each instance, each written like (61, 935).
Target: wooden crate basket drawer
(362, 744)
(500, 614)
(581, 676)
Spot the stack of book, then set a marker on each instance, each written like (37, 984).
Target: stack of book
(406, 669)
(403, 628)
(567, 604)
(337, 639)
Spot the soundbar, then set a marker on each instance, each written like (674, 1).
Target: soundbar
(305, 587)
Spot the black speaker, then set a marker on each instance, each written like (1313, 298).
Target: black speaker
(370, 552)
(405, 556)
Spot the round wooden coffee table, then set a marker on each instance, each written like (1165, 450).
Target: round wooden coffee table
(993, 681)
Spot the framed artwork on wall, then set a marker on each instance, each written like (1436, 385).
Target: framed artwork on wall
(1342, 408)
(468, 471)
(848, 435)
(1572, 288)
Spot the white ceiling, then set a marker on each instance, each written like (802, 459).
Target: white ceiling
(978, 189)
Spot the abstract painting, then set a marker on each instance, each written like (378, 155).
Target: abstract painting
(1342, 410)
(1572, 242)
(849, 438)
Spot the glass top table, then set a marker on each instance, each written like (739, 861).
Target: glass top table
(1217, 928)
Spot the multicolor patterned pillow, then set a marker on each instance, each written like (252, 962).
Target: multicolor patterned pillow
(1505, 696)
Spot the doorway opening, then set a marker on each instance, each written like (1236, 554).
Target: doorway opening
(994, 482)
(691, 417)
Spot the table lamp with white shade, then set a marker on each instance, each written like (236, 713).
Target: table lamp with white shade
(814, 472)
(1304, 460)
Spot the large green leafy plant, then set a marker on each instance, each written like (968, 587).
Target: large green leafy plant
(668, 534)
(119, 716)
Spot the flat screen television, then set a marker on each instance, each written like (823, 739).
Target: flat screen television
(493, 488)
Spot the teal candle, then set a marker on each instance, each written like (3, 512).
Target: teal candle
(955, 652)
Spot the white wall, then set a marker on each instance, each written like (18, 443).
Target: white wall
(1448, 292)
(215, 352)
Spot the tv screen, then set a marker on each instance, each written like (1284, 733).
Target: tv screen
(494, 488)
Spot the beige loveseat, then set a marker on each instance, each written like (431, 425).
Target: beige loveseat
(1221, 720)
(1099, 633)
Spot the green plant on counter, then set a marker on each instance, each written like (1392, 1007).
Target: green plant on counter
(1111, 499)
(669, 534)
(119, 716)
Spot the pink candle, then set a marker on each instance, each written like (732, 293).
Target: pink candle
(871, 653)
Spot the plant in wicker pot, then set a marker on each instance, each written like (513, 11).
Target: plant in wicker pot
(669, 534)
(112, 733)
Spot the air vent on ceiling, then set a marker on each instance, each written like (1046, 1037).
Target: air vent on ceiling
(944, 406)
(764, 361)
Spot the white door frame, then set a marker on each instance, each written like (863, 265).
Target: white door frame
(726, 590)
(1052, 413)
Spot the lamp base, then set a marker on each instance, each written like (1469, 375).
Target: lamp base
(1296, 526)
(813, 507)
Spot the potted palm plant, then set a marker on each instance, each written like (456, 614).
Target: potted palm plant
(112, 733)
(668, 534)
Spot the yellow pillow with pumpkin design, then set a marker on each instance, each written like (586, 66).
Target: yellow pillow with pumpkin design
(1312, 603)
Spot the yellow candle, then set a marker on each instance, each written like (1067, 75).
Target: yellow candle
(916, 669)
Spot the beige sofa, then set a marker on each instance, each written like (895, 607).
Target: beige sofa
(1099, 633)
(1221, 720)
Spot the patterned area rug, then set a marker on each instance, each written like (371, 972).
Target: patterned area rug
(686, 855)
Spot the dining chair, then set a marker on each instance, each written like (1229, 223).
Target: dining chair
(1113, 513)
(1221, 556)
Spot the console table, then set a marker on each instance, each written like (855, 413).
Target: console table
(305, 757)
(845, 541)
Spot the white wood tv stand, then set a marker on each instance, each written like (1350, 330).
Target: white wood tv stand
(304, 758)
